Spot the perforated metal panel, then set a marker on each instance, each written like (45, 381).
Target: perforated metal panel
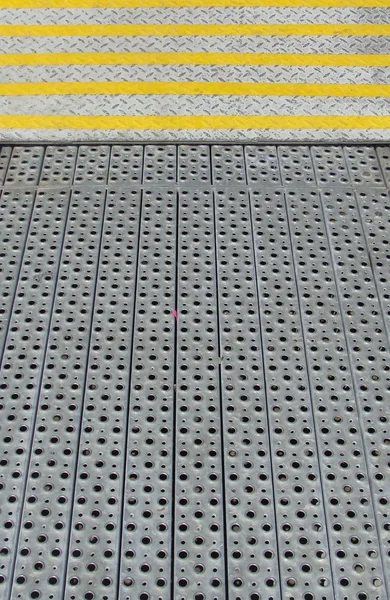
(252, 556)
(145, 565)
(160, 164)
(24, 166)
(228, 165)
(5, 153)
(92, 165)
(95, 532)
(199, 519)
(194, 373)
(58, 166)
(194, 164)
(298, 491)
(24, 354)
(262, 165)
(126, 165)
(296, 165)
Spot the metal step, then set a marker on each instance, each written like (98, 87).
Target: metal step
(195, 372)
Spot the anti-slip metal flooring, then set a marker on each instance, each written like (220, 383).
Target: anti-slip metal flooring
(195, 373)
(237, 71)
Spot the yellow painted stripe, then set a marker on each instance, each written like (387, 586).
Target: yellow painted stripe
(184, 3)
(192, 88)
(194, 30)
(193, 122)
(195, 58)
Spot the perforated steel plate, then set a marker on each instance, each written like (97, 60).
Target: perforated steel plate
(195, 373)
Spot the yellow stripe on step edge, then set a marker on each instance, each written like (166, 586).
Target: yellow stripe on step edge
(193, 122)
(193, 88)
(195, 58)
(186, 3)
(319, 29)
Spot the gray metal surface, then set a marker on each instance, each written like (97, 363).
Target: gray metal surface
(180, 72)
(195, 14)
(194, 380)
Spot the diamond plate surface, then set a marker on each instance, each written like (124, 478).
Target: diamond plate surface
(175, 105)
(201, 15)
(56, 45)
(274, 44)
(194, 372)
(244, 136)
(228, 73)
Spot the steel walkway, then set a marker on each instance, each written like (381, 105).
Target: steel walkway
(194, 373)
(195, 70)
